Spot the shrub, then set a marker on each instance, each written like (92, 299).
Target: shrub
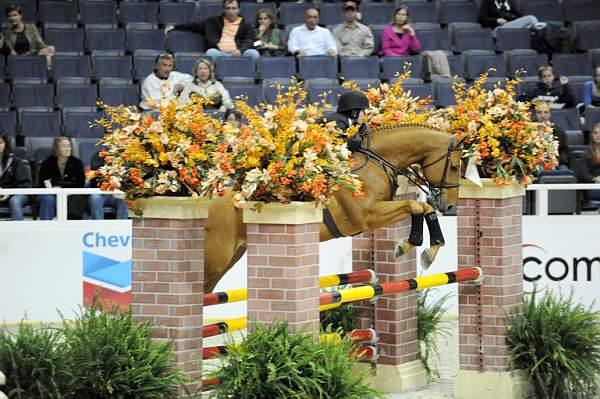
(430, 326)
(271, 363)
(558, 343)
(341, 318)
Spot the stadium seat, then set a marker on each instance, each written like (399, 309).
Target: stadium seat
(390, 66)
(544, 10)
(182, 41)
(71, 66)
(293, 13)
(566, 118)
(5, 98)
(434, 39)
(235, 68)
(331, 13)
(587, 35)
(139, 38)
(443, 95)
(580, 10)
(512, 39)
(477, 62)
(592, 117)
(75, 94)
(317, 67)
(359, 68)
(27, 67)
(8, 122)
(249, 9)
(184, 62)
(571, 64)
(2, 68)
(176, 12)
(86, 150)
(119, 94)
(98, 12)
(270, 89)
(39, 122)
(276, 67)
(317, 93)
(594, 55)
(33, 94)
(77, 122)
(209, 8)
(253, 93)
(574, 137)
(472, 39)
(457, 12)
(377, 13)
(143, 63)
(421, 90)
(112, 66)
(420, 12)
(105, 39)
(59, 12)
(138, 12)
(528, 61)
(65, 39)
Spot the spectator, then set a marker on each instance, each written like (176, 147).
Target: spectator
(24, 38)
(399, 38)
(555, 92)
(269, 39)
(13, 174)
(352, 37)
(310, 38)
(225, 35)
(542, 115)
(591, 91)
(4, 49)
(154, 84)
(205, 85)
(233, 117)
(97, 202)
(502, 14)
(61, 169)
(590, 172)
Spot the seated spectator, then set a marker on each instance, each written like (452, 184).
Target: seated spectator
(97, 202)
(310, 38)
(233, 117)
(503, 14)
(542, 115)
(24, 38)
(154, 84)
(225, 35)
(555, 92)
(61, 169)
(591, 91)
(399, 38)
(590, 172)
(205, 85)
(4, 49)
(269, 38)
(13, 174)
(352, 37)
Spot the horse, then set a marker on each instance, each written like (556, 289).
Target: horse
(388, 153)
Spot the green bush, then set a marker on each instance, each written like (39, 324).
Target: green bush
(31, 359)
(430, 326)
(271, 363)
(341, 318)
(558, 343)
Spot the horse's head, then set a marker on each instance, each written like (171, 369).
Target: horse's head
(442, 169)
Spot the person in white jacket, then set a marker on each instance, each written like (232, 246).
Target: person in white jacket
(154, 84)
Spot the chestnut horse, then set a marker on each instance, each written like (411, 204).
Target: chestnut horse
(379, 161)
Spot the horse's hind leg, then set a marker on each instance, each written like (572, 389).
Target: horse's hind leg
(436, 240)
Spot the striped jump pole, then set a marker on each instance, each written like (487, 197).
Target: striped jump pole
(224, 326)
(241, 294)
(330, 300)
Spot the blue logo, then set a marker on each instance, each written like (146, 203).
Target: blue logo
(105, 271)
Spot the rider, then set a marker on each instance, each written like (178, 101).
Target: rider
(350, 112)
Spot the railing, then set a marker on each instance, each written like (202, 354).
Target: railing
(541, 193)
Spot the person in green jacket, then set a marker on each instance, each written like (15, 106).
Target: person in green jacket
(269, 38)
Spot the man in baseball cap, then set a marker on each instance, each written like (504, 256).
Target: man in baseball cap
(352, 37)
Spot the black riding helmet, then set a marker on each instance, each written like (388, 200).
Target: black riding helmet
(351, 100)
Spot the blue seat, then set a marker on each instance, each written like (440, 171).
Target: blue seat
(39, 122)
(2, 68)
(103, 39)
(376, 13)
(526, 60)
(28, 7)
(580, 10)
(145, 39)
(420, 12)
(176, 13)
(478, 62)
(60, 12)
(450, 12)
(119, 94)
(587, 35)
(571, 64)
(8, 122)
(65, 39)
(276, 67)
(112, 66)
(594, 55)
(421, 90)
(69, 94)
(71, 66)
(377, 31)
(331, 94)
(33, 95)
(138, 12)
(317, 67)
(293, 13)
(86, 150)
(567, 118)
(5, 100)
(392, 65)
(184, 62)
(577, 83)
(98, 12)
(249, 9)
(544, 10)
(209, 9)
(353, 68)
(182, 41)
(434, 39)
(270, 88)
(512, 39)
(331, 13)
(77, 123)
(143, 64)
(443, 94)
(472, 39)
(253, 93)
(27, 67)
(235, 67)
(592, 117)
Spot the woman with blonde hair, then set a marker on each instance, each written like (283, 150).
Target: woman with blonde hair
(205, 85)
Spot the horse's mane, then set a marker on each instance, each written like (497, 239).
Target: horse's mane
(407, 125)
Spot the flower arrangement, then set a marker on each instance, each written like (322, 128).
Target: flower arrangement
(284, 154)
(391, 104)
(167, 156)
(497, 132)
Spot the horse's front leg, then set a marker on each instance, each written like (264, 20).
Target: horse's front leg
(436, 239)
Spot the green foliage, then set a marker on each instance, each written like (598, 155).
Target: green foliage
(558, 343)
(342, 318)
(31, 360)
(271, 363)
(430, 326)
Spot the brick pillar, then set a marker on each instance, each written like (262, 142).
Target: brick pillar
(283, 264)
(168, 275)
(363, 253)
(490, 237)
(398, 366)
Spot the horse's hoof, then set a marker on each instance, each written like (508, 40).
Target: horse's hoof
(426, 260)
